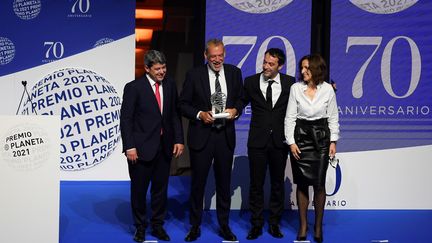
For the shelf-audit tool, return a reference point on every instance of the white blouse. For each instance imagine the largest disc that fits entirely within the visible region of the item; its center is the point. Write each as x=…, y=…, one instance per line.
x=300, y=106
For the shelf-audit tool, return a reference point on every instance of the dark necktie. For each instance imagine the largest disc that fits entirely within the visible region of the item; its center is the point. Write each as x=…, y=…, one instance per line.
x=269, y=94
x=218, y=123
x=218, y=88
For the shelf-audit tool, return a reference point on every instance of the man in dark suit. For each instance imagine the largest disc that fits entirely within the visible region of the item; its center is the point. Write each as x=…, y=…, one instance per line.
x=211, y=140
x=268, y=94
x=152, y=133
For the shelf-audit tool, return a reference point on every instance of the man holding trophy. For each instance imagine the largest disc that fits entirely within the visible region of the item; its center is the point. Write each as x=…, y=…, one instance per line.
x=210, y=99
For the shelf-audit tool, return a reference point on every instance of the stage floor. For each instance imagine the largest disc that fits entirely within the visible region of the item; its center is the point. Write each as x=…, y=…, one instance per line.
x=100, y=212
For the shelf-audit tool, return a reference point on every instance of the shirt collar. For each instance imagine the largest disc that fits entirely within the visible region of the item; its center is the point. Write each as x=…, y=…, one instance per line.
x=276, y=79
x=212, y=73
x=152, y=82
x=304, y=86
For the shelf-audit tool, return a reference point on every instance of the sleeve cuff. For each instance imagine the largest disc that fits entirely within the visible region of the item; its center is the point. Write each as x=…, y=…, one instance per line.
x=334, y=138
x=291, y=141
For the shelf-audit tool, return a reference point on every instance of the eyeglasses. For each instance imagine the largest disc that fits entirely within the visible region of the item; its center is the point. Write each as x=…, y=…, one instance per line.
x=333, y=161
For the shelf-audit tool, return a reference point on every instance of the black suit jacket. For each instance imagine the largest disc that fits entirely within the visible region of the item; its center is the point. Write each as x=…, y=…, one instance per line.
x=195, y=97
x=141, y=120
x=266, y=123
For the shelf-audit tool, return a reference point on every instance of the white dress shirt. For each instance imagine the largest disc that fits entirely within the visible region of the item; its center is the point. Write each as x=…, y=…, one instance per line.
x=276, y=87
x=212, y=79
x=153, y=85
x=300, y=106
x=222, y=81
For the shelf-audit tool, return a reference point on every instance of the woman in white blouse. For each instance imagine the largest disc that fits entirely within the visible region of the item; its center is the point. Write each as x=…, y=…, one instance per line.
x=311, y=131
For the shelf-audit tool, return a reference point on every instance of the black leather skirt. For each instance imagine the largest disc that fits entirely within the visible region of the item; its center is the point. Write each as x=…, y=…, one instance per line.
x=313, y=140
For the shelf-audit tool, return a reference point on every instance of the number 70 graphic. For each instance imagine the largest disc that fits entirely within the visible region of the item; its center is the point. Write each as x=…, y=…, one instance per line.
x=357, y=87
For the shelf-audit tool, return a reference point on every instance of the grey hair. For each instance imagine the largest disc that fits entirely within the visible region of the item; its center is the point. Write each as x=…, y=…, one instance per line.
x=153, y=57
x=213, y=42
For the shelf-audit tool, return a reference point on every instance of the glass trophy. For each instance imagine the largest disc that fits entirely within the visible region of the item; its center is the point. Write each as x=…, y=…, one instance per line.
x=218, y=101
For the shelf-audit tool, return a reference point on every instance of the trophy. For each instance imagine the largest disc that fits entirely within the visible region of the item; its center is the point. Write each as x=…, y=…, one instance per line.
x=218, y=101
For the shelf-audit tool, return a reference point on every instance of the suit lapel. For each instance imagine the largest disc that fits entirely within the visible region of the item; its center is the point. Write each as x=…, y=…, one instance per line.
x=166, y=91
x=283, y=89
x=149, y=90
x=256, y=86
x=228, y=81
x=205, y=82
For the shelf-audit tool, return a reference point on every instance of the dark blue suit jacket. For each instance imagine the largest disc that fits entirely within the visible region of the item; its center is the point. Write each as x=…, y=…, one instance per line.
x=141, y=120
x=195, y=97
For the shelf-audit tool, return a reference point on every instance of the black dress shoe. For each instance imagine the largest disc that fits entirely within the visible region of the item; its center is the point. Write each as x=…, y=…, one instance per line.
x=254, y=233
x=226, y=233
x=275, y=231
x=160, y=233
x=301, y=238
x=139, y=235
x=318, y=239
x=193, y=234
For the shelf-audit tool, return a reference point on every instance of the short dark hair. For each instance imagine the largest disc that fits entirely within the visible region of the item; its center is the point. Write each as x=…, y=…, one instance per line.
x=153, y=57
x=278, y=53
x=317, y=67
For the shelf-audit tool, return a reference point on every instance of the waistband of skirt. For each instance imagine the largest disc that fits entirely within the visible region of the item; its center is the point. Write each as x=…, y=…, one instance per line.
x=322, y=122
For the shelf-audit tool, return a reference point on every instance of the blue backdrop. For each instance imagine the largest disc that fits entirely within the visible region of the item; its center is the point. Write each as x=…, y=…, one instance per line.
x=42, y=31
x=380, y=57
x=249, y=28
